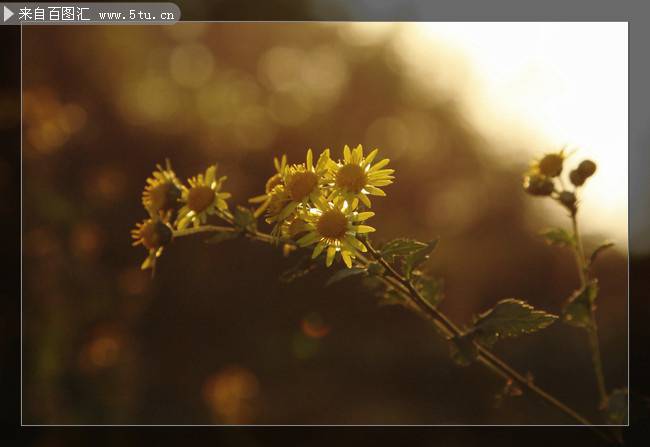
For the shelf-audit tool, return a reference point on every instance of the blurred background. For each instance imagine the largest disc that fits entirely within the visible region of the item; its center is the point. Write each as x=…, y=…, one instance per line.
x=215, y=338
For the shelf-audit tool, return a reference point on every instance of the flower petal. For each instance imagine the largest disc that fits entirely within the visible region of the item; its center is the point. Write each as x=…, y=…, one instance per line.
x=308, y=239
x=380, y=164
x=318, y=249
x=346, y=258
x=346, y=154
x=363, y=216
x=361, y=229
x=331, y=251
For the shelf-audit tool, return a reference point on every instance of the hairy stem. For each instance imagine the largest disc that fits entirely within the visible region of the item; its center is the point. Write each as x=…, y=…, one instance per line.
x=405, y=287
x=592, y=330
x=486, y=357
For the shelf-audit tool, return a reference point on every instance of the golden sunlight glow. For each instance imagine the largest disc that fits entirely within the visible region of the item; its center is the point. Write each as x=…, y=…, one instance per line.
x=536, y=87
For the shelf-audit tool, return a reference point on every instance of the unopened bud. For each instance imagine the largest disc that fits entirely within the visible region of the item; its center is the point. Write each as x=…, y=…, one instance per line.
x=587, y=168
x=576, y=177
x=538, y=185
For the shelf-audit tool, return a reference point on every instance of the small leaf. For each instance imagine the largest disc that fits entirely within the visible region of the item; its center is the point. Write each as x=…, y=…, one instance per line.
x=221, y=236
x=401, y=247
x=599, y=250
x=415, y=259
x=344, y=273
x=430, y=289
x=509, y=318
x=463, y=350
x=375, y=269
x=577, y=309
x=244, y=219
x=391, y=297
x=616, y=411
x=559, y=237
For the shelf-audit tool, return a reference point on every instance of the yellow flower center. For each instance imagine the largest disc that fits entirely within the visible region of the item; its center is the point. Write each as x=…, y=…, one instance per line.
x=352, y=178
x=300, y=184
x=272, y=182
x=332, y=224
x=164, y=196
x=200, y=198
x=155, y=234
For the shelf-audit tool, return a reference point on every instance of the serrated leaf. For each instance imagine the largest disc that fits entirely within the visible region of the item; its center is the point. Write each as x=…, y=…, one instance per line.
x=616, y=411
x=415, y=259
x=463, y=350
x=401, y=247
x=559, y=237
x=510, y=318
x=601, y=248
x=244, y=218
x=577, y=309
x=343, y=274
x=430, y=289
x=221, y=236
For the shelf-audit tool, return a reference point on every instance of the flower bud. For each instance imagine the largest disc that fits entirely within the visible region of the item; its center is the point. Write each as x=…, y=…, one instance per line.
x=587, y=168
x=551, y=165
x=577, y=178
x=537, y=185
x=155, y=234
x=568, y=199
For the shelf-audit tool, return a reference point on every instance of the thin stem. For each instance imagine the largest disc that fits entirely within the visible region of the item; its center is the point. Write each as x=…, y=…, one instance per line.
x=592, y=330
x=203, y=229
x=486, y=357
x=405, y=287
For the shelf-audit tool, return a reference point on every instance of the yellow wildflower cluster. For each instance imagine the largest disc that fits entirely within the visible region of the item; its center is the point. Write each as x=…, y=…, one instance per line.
x=174, y=206
x=543, y=179
x=319, y=202
x=323, y=203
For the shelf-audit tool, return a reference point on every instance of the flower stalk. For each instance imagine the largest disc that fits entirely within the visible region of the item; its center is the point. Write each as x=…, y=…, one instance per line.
x=323, y=205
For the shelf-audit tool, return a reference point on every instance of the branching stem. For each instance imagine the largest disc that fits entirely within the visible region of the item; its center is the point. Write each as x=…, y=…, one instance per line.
x=405, y=287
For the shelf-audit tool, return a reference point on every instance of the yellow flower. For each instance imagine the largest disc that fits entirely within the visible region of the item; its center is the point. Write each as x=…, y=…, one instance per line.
x=302, y=183
x=550, y=165
x=203, y=198
x=356, y=177
x=272, y=185
x=292, y=187
x=162, y=191
x=334, y=226
x=153, y=233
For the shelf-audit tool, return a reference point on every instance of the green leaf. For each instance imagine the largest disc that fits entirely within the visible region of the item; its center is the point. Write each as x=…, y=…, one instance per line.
x=559, y=237
x=599, y=250
x=509, y=318
x=375, y=269
x=222, y=236
x=577, y=309
x=401, y=247
x=344, y=273
x=463, y=350
x=415, y=259
x=429, y=288
x=244, y=219
x=616, y=411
